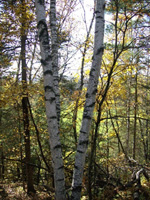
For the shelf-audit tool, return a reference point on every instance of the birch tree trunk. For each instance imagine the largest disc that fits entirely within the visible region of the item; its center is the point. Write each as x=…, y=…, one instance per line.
x=50, y=101
x=90, y=102
x=55, y=46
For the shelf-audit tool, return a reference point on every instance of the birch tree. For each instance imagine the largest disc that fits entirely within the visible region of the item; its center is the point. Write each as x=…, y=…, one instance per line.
x=50, y=101
x=90, y=101
x=55, y=45
x=50, y=96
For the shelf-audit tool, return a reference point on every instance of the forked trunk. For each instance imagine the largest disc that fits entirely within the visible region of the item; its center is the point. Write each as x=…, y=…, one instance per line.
x=50, y=101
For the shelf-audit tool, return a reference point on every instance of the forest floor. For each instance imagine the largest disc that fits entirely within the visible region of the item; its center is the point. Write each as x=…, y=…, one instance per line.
x=14, y=191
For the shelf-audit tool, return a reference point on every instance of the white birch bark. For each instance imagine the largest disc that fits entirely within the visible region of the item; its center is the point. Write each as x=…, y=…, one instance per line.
x=50, y=101
x=54, y=47
x=90, y=102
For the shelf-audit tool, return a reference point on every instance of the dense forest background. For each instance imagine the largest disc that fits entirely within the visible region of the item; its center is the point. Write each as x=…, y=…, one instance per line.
x=118, y=156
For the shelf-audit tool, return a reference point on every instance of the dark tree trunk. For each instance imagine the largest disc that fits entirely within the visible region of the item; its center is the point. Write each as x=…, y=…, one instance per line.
x=29, y=169
x=135, y=119
x=2, y=168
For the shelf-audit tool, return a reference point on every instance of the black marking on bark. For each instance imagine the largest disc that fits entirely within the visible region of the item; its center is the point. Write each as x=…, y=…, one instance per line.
x=76, y=167
x=92, y=104
x=47, y=99
x=87, y=95
x=84, y=142
x=61, y=167
x=46, y=43
x=104, y=6
x=99, y=17
x=41, y=2
x=57, y=146
x=87, y=116
x=53, y=46
x=54, y=65
x=43, y=62
x=94, y=91
x=52, y=99
x=80, y=151
x=77, y=188
x=61, y=179
x=83, y=132
x=42, y=22
x=49, y=57
x=43, y=31
x=47, y=87
x=96, y=12
x=53, y=117
x=101, y=49
x=48, y=72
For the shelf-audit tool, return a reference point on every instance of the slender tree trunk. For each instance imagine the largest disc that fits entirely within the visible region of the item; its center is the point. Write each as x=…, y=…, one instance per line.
x=38, y=136
x=18, y=69
x=31, y=66
x=38, y=173
x=108, y=144
x=90, y=167
x=2, y=167
x=29, y=173
x=75, y=112
x=128, y=114
x=135, y=118
x=50, y=101
x=54, y=54
x=1, y=113
x=143, y=138
x=90, y=102
x=147, y=114
x=21, y=145
x=118, y=137
x=147, y=134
